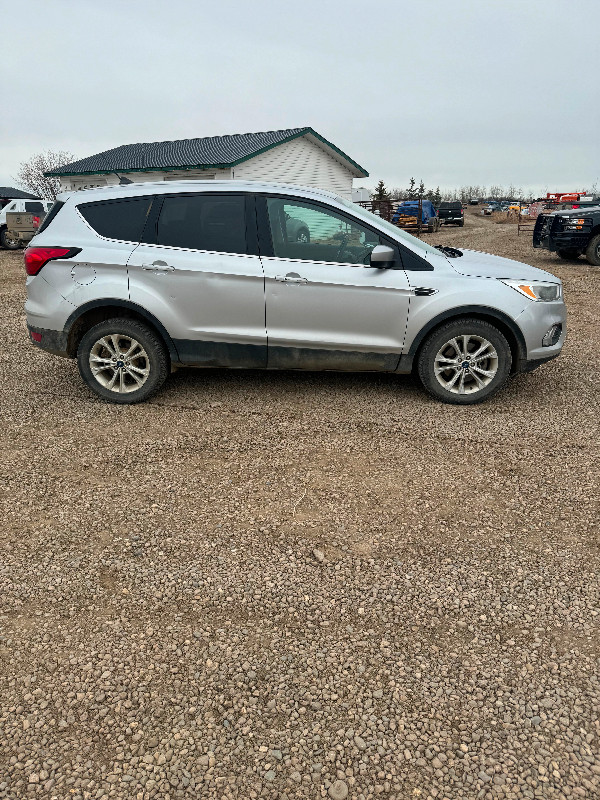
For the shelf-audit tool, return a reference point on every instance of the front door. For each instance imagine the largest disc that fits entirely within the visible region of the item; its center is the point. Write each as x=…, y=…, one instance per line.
x=325, y=308
x=198, y=272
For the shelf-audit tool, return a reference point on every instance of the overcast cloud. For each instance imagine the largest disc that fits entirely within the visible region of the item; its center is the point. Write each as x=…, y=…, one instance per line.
x=456, y=92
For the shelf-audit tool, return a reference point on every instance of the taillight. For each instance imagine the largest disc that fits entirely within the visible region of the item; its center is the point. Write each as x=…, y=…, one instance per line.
x=36, y=222
x=36, y=257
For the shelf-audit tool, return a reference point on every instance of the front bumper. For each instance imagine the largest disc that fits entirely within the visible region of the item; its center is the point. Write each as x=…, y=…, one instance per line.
x=535, y=322
x=529, y=366
x=553, y=233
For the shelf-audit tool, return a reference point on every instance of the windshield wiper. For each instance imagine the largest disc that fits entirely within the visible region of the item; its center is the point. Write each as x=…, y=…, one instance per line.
x=451, y=252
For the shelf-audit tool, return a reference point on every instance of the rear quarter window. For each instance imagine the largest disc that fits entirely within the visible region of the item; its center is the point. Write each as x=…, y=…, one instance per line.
x=118, y=219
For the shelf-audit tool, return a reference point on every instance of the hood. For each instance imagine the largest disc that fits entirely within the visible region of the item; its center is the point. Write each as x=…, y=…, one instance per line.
x=483, y=265
x=574, y=212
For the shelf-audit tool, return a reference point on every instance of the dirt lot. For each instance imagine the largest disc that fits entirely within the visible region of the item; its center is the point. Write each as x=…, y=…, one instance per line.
x=168, y=631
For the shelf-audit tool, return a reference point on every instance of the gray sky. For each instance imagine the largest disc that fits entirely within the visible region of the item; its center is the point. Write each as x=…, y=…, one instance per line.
x=456, y=92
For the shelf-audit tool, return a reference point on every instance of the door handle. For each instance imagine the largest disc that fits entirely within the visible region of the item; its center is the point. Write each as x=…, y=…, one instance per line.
x=290, y=279
x=158, y=266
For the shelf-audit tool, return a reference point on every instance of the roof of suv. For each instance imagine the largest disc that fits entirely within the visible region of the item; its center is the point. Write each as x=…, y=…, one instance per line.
x=170, y=187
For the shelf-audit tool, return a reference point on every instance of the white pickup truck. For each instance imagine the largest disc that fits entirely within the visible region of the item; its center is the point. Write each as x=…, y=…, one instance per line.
x=8, y=241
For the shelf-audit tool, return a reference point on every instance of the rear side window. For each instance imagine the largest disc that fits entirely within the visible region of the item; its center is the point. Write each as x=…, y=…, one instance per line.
x=34, y=207
x=118, y=219
x=50, y=216
x=203, y=222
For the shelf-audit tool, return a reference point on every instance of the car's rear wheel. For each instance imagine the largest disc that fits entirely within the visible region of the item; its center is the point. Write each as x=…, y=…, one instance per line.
x=464, y=362
x=592, y=251
x=7, y=241
x=122, y=360
x=568, y=254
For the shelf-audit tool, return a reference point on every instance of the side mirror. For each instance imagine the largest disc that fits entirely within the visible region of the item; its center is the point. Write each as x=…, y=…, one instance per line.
x=382, y=257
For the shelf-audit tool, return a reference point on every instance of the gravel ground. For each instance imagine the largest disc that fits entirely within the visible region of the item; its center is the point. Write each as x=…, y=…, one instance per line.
x=290, y=585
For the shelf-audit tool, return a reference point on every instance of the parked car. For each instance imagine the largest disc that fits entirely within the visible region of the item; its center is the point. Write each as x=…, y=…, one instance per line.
x=9, y=241
x=570, y=233
x=451, y=212
x=21, y=227
x=491, y=207
x=134, y=281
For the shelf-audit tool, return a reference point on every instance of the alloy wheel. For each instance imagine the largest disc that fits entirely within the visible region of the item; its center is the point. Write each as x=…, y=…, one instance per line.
x=119, y=363
x=466, y=364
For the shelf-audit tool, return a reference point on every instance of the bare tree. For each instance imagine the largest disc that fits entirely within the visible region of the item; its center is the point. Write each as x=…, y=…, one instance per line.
x=31, y=173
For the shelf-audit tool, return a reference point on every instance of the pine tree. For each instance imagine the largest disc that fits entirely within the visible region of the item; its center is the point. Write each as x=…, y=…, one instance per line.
x=411, y=192
x=380, y=193
x=421, y=191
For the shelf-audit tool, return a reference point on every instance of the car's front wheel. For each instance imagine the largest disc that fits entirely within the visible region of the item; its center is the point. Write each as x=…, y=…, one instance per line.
x=464, y=362
x=592, y=251
x=122, y=360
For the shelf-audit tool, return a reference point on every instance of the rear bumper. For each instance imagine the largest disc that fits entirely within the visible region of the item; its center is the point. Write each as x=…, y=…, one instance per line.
x=54, y=342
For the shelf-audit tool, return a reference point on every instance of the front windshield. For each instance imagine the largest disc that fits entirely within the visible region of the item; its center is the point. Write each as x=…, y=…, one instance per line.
x=398, y=233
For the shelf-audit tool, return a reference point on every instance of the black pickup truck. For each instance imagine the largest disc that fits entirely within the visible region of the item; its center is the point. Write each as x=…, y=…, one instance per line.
x=451, y=212
x=570, y=233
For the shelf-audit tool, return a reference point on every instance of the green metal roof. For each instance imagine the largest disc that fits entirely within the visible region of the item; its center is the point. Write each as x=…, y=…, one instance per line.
x=213, y=152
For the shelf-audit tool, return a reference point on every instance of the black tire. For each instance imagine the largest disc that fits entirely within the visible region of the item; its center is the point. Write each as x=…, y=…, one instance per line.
x=153, y=358
x=8, y=244
x=592, y=251
x=568, y=255
x=434, y=345
x=461, y=224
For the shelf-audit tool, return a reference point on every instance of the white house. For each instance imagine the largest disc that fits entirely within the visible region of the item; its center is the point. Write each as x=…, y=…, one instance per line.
x=296, y=155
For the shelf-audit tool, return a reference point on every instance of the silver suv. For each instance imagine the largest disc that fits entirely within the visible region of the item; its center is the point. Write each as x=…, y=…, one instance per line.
x=137, y=280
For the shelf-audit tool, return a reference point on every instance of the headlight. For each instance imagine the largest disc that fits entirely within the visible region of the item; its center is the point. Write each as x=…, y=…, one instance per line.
x=541, y=292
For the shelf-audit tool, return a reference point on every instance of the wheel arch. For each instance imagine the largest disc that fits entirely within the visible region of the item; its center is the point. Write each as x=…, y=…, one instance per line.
x=502, y=321
x=90, y=314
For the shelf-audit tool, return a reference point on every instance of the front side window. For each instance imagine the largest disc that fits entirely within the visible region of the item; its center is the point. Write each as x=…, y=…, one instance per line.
x=34, y=207
x=203, y=222
x=310, y=232
x=118, y=219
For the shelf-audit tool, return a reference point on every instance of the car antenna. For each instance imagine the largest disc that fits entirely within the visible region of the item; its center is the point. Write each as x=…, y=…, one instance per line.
x=122, y=180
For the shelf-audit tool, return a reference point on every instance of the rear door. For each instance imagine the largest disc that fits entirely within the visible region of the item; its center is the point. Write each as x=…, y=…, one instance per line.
x=198, y=272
